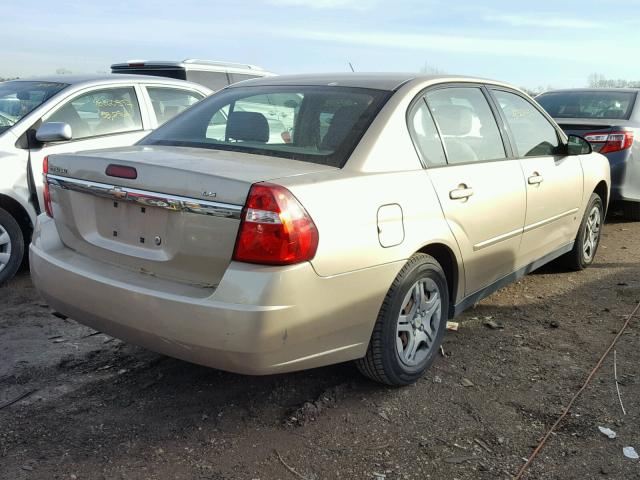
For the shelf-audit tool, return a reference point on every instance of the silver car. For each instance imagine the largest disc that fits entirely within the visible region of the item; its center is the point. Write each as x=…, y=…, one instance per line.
x=387, y=205
x=68, y=113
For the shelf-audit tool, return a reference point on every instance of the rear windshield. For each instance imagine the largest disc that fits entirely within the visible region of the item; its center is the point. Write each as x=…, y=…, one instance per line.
x=594, y=104
x=19, y=98
x=312, y=124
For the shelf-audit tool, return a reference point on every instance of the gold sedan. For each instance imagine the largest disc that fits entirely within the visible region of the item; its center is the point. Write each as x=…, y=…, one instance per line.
x=291, y=222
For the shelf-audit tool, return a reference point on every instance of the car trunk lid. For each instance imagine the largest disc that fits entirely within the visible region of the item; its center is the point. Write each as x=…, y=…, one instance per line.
x=177, y=219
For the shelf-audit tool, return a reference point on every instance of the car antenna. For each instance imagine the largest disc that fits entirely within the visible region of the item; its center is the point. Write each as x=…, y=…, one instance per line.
x=351, y=66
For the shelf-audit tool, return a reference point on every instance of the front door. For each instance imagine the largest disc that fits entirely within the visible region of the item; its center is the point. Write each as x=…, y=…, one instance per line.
x=553, y=179
x=481, y=191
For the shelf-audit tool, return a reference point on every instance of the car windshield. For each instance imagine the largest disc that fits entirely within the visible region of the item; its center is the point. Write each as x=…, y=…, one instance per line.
x=18, y=98
x=317, y=124
x=588, y=104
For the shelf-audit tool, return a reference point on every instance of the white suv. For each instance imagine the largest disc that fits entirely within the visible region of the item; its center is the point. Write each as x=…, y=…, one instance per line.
x=212, y=74
x=62, y=114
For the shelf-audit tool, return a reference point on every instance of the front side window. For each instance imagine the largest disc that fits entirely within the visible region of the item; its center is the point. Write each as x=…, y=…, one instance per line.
x=19, y=98
x=467, y=125
x=534, y=135
x=315, y=124
x=425, y=135
x=100, y=112
x=169, y=102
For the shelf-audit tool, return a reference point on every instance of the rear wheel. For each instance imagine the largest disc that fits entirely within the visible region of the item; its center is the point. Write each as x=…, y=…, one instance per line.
x=11, y=246
x=631, y=210
x=588, y=238
x=410, y=326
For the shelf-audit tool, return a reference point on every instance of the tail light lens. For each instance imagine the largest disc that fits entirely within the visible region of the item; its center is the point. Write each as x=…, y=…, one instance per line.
x=45, y=191
x=275, y=229
x=612, y=141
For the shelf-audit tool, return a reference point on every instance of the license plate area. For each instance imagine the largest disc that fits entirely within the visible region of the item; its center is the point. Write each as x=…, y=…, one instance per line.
x=132, y=224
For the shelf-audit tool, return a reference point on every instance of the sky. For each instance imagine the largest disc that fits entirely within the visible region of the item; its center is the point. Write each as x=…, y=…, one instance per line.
x=530, y=44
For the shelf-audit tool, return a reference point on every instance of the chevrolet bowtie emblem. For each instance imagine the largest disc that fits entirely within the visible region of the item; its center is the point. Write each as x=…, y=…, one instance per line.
x=118, y=193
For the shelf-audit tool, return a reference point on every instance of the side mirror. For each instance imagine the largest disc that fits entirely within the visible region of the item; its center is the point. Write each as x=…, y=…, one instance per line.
x=54, y=132
x=578, y=146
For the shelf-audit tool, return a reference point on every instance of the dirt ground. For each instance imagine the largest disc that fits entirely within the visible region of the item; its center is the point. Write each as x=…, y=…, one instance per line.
x=102, y=409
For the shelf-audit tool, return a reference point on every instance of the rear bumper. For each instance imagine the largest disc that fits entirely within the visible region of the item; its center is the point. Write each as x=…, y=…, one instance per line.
x=259, y=320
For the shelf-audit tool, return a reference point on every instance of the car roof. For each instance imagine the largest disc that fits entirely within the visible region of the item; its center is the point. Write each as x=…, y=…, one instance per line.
x=378, y=81
x=107, y=78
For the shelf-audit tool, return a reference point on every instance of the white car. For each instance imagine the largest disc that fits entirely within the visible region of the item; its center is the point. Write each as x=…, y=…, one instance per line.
x=63, y=114
x=213, y=74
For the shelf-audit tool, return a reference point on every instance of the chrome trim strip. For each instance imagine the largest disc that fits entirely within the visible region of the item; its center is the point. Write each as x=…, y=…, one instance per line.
x=499, y=238
x=541, y=223
x=528, y=228
x=143, y=197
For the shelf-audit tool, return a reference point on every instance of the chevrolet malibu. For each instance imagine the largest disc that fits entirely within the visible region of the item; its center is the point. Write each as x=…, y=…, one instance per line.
x=382, y=206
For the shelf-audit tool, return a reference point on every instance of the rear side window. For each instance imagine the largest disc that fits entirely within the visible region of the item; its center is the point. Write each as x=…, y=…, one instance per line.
x=467, y=125
x=425, y=135
x=533, y=133
x=588, y=104
x=315, y=124
x=213, y=80
x=100, y=112
x=169, y=102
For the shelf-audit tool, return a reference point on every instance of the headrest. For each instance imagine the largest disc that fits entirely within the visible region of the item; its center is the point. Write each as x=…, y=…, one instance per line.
x=248, y=127
x=454, y=120
x=341, y=124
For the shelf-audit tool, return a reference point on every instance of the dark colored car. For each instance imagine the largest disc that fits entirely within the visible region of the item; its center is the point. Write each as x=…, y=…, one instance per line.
x=609, y=118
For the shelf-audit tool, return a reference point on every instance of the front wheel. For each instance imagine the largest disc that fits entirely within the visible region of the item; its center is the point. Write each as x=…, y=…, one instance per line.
x=11, y=246
x=588, y=238
x=410, y=325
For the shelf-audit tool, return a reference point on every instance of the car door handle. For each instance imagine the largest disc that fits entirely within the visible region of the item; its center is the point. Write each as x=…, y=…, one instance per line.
x=535, y=179
x=461, y=193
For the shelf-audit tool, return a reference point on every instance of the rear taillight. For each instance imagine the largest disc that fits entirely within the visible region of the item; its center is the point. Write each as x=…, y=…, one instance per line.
x=45, y=191
x=275, y=229
x=612, y=141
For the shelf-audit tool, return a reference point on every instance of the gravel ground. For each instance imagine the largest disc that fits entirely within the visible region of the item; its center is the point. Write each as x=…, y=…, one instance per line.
x=101, y=409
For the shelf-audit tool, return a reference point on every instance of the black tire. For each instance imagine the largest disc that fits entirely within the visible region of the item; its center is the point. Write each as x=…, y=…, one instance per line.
x=631, y=211
x=15, y=247
x=383, y=362
x=577, y=258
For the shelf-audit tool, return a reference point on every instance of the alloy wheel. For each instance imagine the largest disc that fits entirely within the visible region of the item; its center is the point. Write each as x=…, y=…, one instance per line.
x=5, y=248
x=418, y=322
x=591, y=233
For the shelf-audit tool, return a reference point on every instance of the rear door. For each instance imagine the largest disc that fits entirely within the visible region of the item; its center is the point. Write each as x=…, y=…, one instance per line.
x=480, y=189
x=553, y=179
x=100, y=117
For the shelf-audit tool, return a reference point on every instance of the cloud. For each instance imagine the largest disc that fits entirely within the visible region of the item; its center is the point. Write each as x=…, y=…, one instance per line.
x=418, y=41
x=467, y=45
x=542, y=22
x=327, y=4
